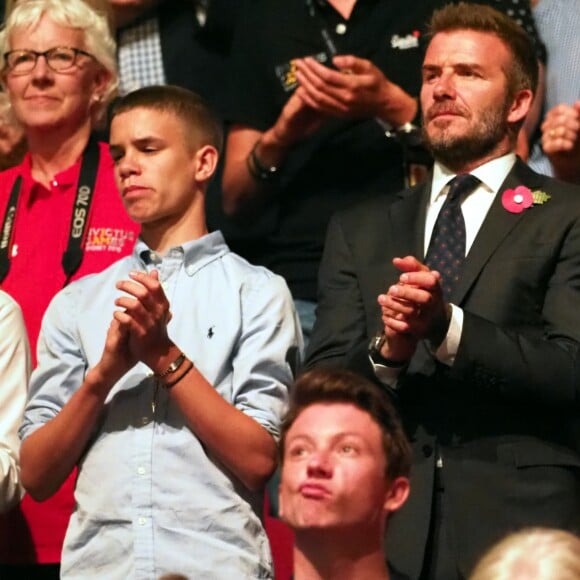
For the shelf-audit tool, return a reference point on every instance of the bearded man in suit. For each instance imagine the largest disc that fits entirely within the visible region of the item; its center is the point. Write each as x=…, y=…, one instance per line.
x=478, y=312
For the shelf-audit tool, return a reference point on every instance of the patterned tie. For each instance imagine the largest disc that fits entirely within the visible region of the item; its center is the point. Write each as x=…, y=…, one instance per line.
x=447, y=247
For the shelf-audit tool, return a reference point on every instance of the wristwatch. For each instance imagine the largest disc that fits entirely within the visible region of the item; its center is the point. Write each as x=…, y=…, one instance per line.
x=375, y=345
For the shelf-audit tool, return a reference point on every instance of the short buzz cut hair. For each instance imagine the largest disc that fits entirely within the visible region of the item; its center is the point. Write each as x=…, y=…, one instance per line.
x=524, y=70
x=335, y=385
x=201, y=125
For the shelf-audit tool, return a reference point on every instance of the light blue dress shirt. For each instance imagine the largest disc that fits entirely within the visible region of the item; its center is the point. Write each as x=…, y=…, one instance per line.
x=149, y=498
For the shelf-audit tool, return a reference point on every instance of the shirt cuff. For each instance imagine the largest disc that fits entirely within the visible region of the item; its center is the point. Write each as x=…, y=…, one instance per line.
x=447, y=350
x=389, y=376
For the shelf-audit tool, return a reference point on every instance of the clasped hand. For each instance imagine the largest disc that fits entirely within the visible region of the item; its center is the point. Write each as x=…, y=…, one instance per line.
x=138, y=331
x=561, y=140
x=413, y=309
x=356, y=88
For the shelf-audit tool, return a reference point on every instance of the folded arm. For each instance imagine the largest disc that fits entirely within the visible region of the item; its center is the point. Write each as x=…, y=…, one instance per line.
x=50, y=452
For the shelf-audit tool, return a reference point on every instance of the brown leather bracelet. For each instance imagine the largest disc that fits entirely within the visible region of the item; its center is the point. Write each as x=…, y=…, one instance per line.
x=176, y=380
x=174, y=366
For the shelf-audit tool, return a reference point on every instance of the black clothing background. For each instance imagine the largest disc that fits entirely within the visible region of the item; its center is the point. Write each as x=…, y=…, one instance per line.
x=345, y=161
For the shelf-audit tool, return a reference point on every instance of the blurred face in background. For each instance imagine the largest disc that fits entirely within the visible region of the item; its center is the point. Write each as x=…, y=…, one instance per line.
x=43, y=99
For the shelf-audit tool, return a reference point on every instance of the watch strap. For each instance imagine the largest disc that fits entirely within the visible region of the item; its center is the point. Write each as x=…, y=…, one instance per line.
x=375, y=346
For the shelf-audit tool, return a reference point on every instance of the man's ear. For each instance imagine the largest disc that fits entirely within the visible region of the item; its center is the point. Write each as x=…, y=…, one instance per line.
x=397, y=494
x=206, y=160
x=520, y=106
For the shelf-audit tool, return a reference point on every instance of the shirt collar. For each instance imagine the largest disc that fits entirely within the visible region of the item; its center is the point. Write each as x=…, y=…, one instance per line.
x=491, y=174
x=65, y=178
x=196, y=253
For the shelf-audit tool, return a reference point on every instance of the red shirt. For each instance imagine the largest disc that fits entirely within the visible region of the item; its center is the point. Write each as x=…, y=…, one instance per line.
x=34, y=532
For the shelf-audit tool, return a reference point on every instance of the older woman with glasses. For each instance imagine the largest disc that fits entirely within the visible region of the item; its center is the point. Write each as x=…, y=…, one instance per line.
x=61, y=216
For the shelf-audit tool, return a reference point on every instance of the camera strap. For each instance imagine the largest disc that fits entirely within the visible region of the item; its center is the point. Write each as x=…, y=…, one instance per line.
x=73, y=255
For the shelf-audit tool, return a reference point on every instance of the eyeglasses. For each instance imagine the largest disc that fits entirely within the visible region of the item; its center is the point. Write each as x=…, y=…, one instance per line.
x=59, y=59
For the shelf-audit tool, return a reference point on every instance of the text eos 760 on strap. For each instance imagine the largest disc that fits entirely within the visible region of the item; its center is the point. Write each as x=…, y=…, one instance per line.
x=73, y=255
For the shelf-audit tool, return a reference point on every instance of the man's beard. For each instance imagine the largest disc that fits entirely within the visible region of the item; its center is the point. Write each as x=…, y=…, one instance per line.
x=455, y=151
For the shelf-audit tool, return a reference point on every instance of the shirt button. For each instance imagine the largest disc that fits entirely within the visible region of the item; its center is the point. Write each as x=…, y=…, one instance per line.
x=144, y=420
x=340, y=28
x=54, y=183
x=141, y=471
x=142, y=521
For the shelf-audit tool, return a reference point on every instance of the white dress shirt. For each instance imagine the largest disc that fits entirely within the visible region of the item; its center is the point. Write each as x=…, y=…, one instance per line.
x=14, y=372
x=474, y=208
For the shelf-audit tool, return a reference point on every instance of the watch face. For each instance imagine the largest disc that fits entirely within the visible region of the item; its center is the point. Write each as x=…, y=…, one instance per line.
x=376, y=344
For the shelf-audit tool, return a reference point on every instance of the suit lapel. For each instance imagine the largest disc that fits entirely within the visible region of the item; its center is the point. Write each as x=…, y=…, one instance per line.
x=407, y=221
x=495, y=227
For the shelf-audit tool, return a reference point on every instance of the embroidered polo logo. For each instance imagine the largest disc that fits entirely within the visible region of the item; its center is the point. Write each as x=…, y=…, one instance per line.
x=286, y=72
x=108, y=239
x=411, y=40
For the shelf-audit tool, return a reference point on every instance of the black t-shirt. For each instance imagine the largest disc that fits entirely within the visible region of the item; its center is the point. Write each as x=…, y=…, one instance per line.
x=394, y=574
x=345, y=161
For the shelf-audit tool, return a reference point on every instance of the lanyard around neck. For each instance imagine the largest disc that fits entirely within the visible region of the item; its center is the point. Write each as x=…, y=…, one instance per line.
x=329, y=43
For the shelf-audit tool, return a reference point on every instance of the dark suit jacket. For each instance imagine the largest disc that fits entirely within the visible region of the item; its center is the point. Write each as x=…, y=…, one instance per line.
x=504, y=417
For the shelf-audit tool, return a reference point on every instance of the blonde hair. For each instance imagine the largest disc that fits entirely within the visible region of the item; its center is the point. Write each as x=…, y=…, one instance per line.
x=532, y=554
x=78, y=14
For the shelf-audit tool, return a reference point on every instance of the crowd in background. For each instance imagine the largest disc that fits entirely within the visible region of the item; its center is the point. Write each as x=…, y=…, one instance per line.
x=320, y=108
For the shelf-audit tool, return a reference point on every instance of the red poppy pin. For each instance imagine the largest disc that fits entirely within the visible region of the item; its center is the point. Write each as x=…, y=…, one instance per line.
x=521, y=198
